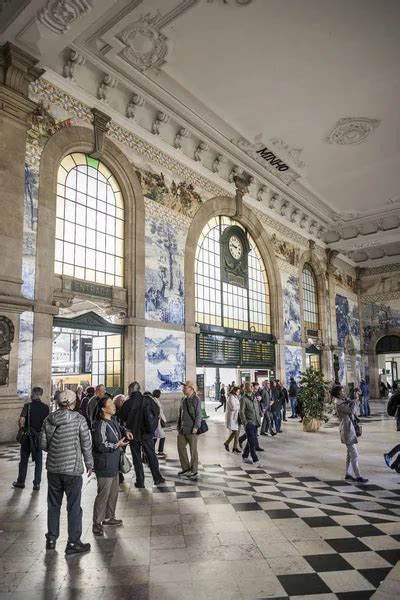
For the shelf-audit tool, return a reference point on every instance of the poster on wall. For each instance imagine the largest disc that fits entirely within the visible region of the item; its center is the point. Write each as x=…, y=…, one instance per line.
x=164, y=359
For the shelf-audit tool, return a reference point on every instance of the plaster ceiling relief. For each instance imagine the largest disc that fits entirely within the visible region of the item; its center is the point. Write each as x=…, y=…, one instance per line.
x=145, y=45
x=58, y=15
x=352, y=130
x=9, y=10
x=293, y=154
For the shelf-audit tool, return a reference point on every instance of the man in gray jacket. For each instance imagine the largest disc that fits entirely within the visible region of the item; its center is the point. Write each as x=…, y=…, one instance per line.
x=65, y=437
x=189, y=421
x=250, y=416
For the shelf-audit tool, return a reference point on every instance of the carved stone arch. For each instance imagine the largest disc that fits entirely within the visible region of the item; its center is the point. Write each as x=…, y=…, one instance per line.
x=373, y=365
x=80, y=139
x=378, y=336
x=226, y=206
x=309, y=257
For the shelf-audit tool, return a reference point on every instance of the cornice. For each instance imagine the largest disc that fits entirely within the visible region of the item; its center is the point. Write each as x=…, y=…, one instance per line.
x=377, y=298
x=367, y=271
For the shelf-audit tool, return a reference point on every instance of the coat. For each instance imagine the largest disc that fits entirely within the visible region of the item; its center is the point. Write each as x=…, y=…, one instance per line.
x=66, y=439
x=250, y=412
x=232, y=412
x=345, y=411
x=133, y=416
x=189, y=414
x=106, y=434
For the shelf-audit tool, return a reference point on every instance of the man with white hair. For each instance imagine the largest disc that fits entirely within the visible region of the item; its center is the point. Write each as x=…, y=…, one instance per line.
x=66, y=439
x=99, y=392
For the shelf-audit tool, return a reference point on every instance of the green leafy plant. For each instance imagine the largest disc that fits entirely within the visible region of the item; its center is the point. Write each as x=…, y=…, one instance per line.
x=312, y=395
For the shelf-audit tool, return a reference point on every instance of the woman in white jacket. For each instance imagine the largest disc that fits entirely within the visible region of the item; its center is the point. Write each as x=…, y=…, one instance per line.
x=232, y=419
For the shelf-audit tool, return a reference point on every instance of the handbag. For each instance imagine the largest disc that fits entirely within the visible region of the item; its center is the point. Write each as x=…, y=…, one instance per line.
x=357, y=426
x=203, y=424
x=23, y=433
x=125, y=464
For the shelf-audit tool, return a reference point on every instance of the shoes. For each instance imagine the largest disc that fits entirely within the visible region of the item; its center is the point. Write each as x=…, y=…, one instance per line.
x=112, y=521
x=161, y=454
x=226, y=446
x=388, y=460
x=349, y=478
x=50, y=544
x=286, y=419
x=139, y=487
x=280, y=431
x=263, y=433
x=159, y=481
x=193, y=476
x=16, y=484
x=77, y=548
x=361, y=480
x=260, y=449
x=183, y=472
x=273, y=433
x=248, y=461
x=236, y=450
x=258, y=464
x=97, y=529
x=36, y=487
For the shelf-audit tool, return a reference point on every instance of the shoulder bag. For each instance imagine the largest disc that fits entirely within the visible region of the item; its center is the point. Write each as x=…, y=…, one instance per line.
x=125, y=464
x=203, y=424
x=23, y=432
x=357, y=426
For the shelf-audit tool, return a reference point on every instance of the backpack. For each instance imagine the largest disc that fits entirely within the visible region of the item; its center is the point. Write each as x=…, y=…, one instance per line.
x=393, y=403
x=151, y=414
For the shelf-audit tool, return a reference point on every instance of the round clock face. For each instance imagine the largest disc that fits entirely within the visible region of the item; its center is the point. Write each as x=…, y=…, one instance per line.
x=235, y=247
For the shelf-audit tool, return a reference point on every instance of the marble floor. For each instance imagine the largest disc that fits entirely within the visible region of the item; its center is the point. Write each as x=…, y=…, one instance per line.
x=291, y=529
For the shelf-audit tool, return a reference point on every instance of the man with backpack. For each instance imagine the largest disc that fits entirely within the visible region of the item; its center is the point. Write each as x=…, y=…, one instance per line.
x=140, y=414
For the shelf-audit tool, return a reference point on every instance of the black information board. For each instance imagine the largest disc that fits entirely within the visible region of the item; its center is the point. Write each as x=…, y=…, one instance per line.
x=218, y=350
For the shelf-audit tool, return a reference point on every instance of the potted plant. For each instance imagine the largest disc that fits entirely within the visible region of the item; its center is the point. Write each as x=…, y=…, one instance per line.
x=313, y=388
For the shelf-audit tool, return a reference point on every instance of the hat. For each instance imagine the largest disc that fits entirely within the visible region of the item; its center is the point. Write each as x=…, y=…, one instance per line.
x=188, y=383
x=65, y=398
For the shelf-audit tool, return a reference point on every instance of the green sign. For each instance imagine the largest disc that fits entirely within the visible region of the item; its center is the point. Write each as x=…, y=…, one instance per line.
x=91, y=289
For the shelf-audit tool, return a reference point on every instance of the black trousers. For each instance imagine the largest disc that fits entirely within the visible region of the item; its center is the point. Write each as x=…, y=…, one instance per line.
x=148, y=449
x=26, y=451
x=71, y=485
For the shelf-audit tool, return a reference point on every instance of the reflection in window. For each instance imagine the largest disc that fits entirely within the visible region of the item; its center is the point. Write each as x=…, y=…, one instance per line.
x=90, y=222
x=224, y=304
x=310, y=299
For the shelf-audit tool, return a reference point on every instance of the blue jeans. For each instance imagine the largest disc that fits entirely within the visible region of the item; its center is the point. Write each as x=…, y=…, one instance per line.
x=364, y=408
x=251, y=431
x=276, y=415
x=293, y=405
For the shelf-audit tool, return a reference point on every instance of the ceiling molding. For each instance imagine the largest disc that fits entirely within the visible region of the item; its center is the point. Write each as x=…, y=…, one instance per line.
x=378, y=270
x=352, y=130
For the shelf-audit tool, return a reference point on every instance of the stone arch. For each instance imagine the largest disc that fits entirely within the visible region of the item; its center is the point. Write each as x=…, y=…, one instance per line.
x=373, y=366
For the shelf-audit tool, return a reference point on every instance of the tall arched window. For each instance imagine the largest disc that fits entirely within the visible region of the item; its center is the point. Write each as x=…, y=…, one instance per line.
x=90, y=222
x=226, y=304
x=310, y=299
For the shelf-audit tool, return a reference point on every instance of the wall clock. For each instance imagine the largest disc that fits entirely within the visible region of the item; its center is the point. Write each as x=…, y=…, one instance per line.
x=234, y=256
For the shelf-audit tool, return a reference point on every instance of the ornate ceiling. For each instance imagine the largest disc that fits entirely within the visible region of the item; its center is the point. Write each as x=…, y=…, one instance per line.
x=302, y=95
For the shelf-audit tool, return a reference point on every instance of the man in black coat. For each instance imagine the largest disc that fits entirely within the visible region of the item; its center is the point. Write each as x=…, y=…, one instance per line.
x=137, y=413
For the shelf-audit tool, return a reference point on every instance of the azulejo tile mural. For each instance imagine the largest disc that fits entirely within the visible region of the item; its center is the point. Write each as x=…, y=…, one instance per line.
x=291, y=307
x=379, y=317
x=293, y=362
x=164, y=359
x=347, y=321
x=164, y=267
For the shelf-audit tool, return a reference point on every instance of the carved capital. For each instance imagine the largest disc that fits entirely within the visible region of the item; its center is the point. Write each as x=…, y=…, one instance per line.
x=101, y=124
x=17, y=68
x=242, y=187
x=311, y=245
x=219, y=159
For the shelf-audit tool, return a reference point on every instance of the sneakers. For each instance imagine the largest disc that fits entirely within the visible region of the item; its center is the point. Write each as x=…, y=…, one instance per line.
x=161, y=454
x=388, y=460
x=361, y=480
x=77, y=548
x=159, y=481
x=248, y=461
x=36, y=487
x=50, y=544
x=183, y=472
x=349, y=478
x=193, y=476
x=258, y=464
x=16, y=484
x=273, y=433
x=97, y=529
x=226, y=446
x=112, y=521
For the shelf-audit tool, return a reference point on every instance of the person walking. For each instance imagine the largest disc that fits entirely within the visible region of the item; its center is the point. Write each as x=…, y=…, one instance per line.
x=31, y=420
x=222, y=398
x=66, y=439
x=89, y=393
x=293, y=391
x=189, y=421
x=108, y=443
x=364, y=389
x=285, y=400
x=276, y=405
x=346, y=411
x=140, y=415
x=159, y=433
x=232, y=419
x=250, y=416
x=267, y=422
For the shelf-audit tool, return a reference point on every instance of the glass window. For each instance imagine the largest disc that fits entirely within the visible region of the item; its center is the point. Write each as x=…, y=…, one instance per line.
x=90, y=221
x=228, y=305
x=310, y=299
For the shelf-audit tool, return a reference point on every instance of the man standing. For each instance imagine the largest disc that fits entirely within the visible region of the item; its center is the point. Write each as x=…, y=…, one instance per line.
x=31, y=419
x=189, y=421
x=266, y=427
x=99, y=392
x=65, y=437
x=250, y=417
x=364, y=389
x=293, y=391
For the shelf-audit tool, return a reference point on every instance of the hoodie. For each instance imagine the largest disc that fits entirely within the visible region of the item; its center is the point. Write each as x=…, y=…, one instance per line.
x=66, y=439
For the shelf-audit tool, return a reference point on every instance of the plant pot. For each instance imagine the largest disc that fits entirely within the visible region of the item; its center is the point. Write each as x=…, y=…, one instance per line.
x=311, y=424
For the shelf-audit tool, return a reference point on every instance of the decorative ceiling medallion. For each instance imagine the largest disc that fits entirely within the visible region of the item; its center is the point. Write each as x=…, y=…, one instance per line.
x=352, y=130
x=146, y=47
x=58, y=15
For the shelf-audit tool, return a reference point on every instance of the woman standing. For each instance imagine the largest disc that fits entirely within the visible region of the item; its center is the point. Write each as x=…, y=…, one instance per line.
x=346, y=411
x=159, y=432
x=108, y=440
x=232, y=419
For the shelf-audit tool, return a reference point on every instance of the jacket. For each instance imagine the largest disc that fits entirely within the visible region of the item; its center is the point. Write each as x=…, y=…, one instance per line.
x=345, y=410
x=189, y=414
x=133, y=417
x=232, y=412
x=106, y=434
x=66, y=439
x=293, y=389
x=250, y=413
x=364, y=389
x=91, y=409
x=266, y=399
x=277, y=399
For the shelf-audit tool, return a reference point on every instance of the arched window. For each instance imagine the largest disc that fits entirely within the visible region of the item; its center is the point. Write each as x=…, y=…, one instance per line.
x=90, y=222
x=310, y=299
x=226, y=304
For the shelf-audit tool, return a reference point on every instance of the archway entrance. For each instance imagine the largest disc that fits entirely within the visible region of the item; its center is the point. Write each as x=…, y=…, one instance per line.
x=388, y=351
